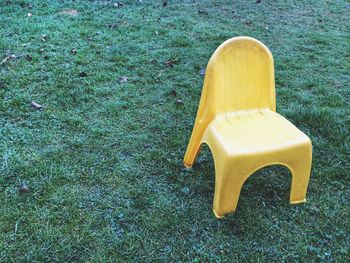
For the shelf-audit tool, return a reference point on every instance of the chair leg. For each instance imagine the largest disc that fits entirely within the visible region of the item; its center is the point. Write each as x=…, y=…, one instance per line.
x=191, y=155
x=228, y=183
x=300, y=178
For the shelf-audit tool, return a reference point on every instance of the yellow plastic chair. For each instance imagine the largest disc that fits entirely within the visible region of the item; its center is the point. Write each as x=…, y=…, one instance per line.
x=237, y=119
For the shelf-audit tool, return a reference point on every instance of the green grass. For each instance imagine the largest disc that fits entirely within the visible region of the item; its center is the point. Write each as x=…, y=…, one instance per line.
x=103, y=159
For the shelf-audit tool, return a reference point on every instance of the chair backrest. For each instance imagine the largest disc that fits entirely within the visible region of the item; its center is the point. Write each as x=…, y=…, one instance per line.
x=239, y=77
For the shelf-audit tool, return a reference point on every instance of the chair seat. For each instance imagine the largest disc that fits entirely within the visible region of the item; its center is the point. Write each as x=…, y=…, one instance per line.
x=255, y=131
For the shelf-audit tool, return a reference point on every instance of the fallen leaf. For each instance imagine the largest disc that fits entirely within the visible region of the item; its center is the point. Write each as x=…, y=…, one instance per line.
x=169, y=63
x=123, y=79
x=118, y=5
x=112, y=26
x=29, y=57
x=2, y=84
x=83, y=74
x=313, y=208
x=202, y=12
x=23, y=189
x=179, y=101
x=173, y=92
x=185, y=190
x=29, y=14
x=73, y=51
x=4, y=60
x=24, y=5
x=12, y=56
x=43, y=38
x=202, y=72
x=70, y=12
x=36, y=105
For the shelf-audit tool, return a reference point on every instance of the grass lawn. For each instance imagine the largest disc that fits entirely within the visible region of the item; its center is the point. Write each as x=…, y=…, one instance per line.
x=102, y=160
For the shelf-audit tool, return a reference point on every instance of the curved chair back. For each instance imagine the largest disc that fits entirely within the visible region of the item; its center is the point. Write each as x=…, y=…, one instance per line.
x=239, y=77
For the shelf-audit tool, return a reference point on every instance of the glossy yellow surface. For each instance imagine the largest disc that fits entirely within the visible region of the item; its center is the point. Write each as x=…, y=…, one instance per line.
x=237, y=120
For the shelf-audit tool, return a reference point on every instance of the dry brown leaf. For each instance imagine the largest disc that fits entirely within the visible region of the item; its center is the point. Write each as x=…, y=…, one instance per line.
x=12, y=56
x=24, y=189
x=179, y=101
x=5, y=59
x=118, y=5
x=203, y=12
x=36, y=105
x=313, y=208
x=112, y=26
x=83, y=74
x=123, y=79
x=173, y=92
x=29, y=57
x=43, y=38
x=169, y=63
x=70, y=12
